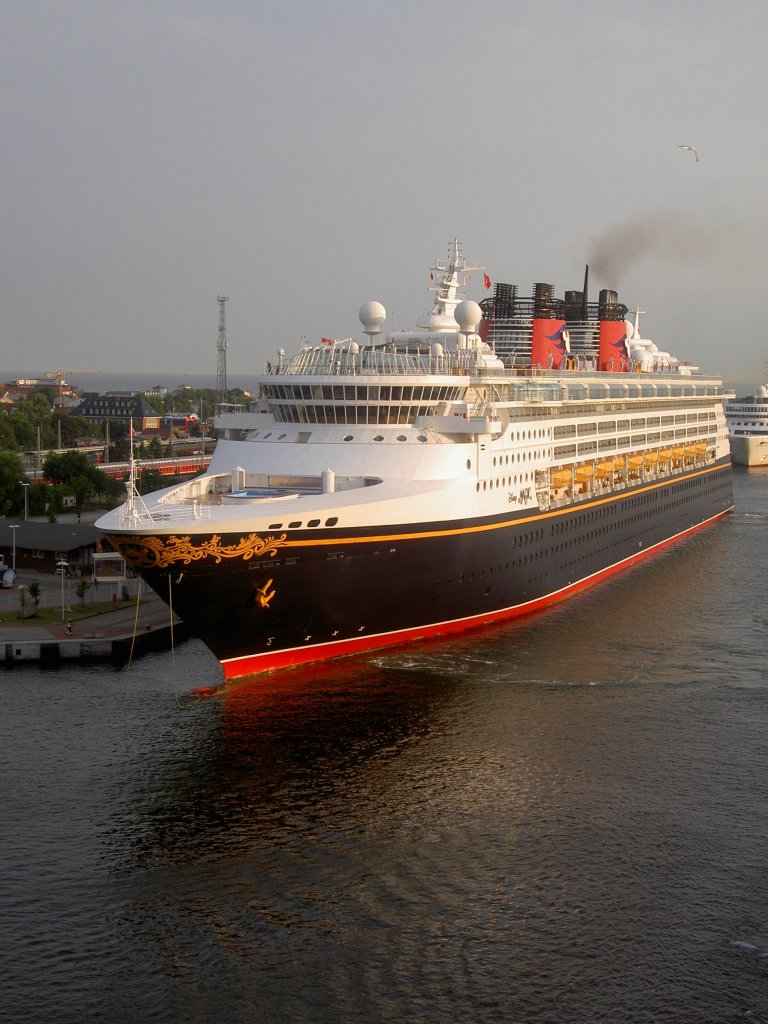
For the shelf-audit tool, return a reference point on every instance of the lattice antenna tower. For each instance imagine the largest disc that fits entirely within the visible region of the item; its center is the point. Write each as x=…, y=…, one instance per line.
x=221, y=364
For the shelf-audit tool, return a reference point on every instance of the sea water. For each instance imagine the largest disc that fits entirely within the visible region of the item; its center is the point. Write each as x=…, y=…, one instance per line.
x=563, y=819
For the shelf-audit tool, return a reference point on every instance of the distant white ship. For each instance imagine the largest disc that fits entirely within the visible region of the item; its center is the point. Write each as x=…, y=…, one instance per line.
x=748, y=427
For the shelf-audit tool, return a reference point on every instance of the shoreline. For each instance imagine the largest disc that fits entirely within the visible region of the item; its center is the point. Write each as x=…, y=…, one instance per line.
x=113, y=636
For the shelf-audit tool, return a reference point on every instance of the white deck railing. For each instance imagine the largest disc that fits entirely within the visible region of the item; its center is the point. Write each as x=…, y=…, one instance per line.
x=128, y=517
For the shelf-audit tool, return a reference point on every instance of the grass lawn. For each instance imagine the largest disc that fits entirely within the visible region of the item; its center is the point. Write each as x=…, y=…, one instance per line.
x=45, y=616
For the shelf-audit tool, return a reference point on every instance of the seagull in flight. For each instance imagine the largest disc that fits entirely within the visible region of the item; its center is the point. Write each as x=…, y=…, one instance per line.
x=693, y=150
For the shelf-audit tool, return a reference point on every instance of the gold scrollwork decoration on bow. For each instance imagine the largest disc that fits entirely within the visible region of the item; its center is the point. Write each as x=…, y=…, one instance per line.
x=161, y=552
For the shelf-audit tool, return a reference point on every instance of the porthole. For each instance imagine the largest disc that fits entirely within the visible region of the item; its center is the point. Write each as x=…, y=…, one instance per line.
x=422, y=438
x=313, y=522
x=401, y=437
x=332, y=521
x=295, y=525
x=469, y=464
x=348, y=437
x=379, y=437
x=275, y=526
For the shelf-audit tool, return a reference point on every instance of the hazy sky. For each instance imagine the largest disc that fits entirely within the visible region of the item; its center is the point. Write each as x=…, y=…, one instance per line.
x=305, y=157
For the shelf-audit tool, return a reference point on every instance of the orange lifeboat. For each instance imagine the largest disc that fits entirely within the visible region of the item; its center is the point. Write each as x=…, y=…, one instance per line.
x=560, y=478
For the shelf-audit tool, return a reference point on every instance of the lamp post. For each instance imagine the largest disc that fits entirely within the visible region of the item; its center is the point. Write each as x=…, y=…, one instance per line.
x=26, y=500
x=62, y=566
x=14, y=528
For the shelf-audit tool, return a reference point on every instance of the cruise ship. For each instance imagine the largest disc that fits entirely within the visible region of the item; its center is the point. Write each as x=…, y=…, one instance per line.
x=494, y=460
x=747, y=420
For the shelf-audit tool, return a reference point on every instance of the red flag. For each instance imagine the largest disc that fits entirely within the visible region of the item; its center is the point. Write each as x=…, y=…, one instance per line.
x=327, y=341
x=486, y=281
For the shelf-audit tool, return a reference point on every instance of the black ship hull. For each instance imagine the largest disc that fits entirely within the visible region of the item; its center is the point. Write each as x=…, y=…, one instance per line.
x=269, y=602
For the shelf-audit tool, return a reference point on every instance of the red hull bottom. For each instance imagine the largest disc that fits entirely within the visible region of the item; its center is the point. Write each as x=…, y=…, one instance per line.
x=273, y=661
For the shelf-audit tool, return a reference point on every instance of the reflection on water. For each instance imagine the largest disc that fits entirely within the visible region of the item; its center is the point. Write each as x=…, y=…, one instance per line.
x=282, y=747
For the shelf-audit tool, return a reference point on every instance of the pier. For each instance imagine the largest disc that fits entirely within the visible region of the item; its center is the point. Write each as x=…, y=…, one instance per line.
x=112, y=636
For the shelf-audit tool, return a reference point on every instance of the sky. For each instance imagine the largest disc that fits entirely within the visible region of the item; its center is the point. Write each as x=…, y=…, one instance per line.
x=307, y=156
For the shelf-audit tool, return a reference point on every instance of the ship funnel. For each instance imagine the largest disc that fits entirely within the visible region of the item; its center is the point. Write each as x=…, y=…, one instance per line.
x=613, y=349
x=542, y=299
x=548, y=341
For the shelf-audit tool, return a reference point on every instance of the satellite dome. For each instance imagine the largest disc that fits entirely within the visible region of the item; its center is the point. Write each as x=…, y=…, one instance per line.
x=372, y=316
x=468, y=315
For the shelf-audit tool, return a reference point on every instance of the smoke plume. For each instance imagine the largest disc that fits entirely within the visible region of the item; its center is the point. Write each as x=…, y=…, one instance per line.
x=664, y=237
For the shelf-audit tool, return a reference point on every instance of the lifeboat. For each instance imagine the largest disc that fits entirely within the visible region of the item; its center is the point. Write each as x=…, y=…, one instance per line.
x=665, y=455
x=560, y=478
x=651, y=458
x=604, y=468
x=635, y=461
x=584, y=472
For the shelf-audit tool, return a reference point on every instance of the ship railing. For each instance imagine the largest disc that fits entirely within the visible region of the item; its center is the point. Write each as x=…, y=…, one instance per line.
x=128, y=517
x=379, y=361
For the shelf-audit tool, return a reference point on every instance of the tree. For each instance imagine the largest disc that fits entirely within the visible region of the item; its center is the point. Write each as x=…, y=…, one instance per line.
x=61, y=469
x=71, y=427
x=41, y=500
x=25, y=419
x=120, y=450
x=8, y=440
x=81, y=589
x=11, y=475
x=76, y=471
x=24, y=429
x=150, y=480
x=34, y=593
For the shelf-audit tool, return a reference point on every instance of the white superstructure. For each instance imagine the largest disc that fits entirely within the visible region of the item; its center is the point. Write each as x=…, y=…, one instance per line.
x=748, y=428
